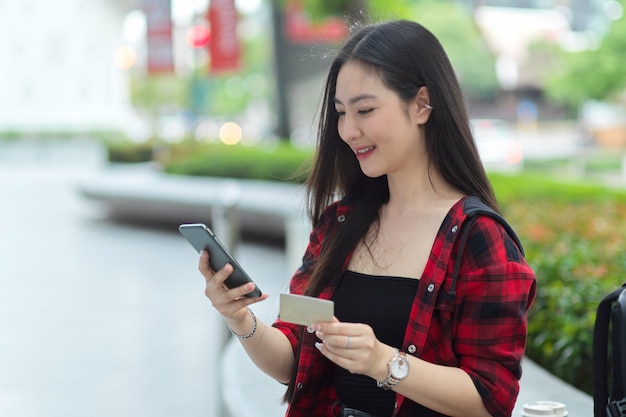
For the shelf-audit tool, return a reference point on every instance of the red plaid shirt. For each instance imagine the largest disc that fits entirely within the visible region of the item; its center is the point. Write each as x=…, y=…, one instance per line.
x=478, y=326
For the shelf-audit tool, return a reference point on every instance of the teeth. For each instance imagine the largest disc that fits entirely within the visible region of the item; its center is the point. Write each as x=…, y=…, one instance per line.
x=365, y=150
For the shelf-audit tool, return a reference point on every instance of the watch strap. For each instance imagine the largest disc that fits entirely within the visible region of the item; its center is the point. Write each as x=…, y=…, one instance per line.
x=388, y=383
x=391, y=382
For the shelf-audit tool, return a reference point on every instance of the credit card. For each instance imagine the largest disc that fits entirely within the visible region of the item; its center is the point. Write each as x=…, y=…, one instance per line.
x=305, y=310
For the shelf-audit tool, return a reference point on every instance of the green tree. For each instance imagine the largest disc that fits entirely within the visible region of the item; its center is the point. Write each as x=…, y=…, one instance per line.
x=229, y=94
x=596, y=74
x=152, y=92
x=450, y=21
x=457, y=31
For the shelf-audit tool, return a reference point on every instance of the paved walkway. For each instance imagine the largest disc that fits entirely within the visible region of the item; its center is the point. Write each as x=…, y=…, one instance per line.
x=97, y=318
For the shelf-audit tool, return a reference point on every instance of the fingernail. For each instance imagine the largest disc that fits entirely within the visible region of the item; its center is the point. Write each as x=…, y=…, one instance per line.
x=319, y=346
x=249, y=286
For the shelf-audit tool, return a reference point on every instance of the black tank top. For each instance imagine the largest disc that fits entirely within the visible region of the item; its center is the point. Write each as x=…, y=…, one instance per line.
x=384, y=303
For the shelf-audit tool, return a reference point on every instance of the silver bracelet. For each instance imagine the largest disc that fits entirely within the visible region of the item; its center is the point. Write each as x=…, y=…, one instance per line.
x=252, y=332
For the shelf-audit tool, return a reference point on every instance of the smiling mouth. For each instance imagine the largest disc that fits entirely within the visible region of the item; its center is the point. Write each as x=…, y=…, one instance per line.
x=365, y=150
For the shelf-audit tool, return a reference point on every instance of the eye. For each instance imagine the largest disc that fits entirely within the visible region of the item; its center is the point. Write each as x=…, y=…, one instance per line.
x=340, y=113
x=365, y=111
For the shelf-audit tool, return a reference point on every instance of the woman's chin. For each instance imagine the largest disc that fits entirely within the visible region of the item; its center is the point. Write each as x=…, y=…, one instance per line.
x=372, y=173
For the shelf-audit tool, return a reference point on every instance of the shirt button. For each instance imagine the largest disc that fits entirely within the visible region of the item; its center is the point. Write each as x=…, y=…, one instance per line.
x=300, y=385
x=455, y=228
x=411, y=349
x=341, y=218
x=431, y=288
x=310, y=328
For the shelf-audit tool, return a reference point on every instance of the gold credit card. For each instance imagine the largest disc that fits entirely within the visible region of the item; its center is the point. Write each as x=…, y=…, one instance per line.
x=304, y=310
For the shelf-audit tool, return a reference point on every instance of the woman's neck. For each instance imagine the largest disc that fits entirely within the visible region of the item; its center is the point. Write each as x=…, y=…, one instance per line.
x=416, y=192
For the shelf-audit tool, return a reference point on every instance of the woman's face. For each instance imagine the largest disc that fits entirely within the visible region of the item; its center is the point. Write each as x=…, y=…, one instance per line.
x=383, y=131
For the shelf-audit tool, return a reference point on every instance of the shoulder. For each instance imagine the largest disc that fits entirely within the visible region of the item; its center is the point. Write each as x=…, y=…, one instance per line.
x=491, y=255
x=484, y=227
x=488, y=236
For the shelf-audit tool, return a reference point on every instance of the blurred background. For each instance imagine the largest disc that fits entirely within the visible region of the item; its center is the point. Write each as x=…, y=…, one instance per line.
x=158, y=69
x=144, y=69
x=120, y=119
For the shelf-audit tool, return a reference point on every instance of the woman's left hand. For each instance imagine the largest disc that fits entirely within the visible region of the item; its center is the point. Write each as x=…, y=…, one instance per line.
x=354, y=347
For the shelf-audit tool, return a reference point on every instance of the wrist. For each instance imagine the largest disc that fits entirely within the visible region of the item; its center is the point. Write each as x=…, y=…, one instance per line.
x=252, y=327
x=397, y=369
x=382, y=363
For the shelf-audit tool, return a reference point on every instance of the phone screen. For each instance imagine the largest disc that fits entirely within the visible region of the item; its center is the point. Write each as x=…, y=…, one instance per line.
x=201, y=237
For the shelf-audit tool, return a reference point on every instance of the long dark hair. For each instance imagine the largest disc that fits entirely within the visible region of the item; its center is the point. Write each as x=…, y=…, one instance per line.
x=407, y=57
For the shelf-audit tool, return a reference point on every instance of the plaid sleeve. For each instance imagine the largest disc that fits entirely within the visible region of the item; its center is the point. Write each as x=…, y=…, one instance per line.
x=495, y=290
x=300, y=279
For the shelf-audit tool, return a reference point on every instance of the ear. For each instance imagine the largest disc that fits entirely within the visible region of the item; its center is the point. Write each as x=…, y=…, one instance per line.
x=422, y=105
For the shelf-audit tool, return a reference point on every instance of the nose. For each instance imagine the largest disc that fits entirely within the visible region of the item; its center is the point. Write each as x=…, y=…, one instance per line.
x=348, y=128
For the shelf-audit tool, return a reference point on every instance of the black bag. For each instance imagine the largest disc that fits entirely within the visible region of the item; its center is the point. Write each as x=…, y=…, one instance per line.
x=611, y=313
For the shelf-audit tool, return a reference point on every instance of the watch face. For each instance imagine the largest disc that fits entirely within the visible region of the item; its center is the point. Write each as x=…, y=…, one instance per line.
x=399, y=367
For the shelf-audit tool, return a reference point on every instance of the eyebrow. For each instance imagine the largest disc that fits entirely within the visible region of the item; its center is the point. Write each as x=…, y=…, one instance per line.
x=356, y=99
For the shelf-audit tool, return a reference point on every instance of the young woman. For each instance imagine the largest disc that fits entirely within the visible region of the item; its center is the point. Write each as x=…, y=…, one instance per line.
x=430, y=285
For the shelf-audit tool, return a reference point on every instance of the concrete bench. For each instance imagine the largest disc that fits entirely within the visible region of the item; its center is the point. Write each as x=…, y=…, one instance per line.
x=142, y=193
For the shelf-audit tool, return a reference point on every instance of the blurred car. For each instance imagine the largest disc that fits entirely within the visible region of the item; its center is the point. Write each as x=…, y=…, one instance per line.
x=498, y=145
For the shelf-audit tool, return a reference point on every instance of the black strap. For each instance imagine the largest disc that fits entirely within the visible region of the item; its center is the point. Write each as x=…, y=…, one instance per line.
x=618, y=321
x=600, y=364
x=616, y=409
x=338, y=409
x=474, y=207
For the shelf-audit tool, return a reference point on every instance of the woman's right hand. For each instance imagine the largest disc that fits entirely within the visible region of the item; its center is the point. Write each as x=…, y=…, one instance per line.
x=267, y=346
x=230, y=303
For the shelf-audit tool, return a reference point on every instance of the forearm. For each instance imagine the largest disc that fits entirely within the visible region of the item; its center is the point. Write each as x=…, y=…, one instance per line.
x=268, y=348
x=447, y=390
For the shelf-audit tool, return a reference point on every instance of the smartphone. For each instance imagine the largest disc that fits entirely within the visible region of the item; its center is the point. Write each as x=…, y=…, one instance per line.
x=201, y=237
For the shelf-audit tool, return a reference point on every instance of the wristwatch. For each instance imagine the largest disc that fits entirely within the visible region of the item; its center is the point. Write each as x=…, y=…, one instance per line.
x=398, y=370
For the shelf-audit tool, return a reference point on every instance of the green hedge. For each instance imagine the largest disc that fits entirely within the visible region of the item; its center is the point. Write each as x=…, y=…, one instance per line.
x=574, y=235
x=126, y=152
x=277, y=162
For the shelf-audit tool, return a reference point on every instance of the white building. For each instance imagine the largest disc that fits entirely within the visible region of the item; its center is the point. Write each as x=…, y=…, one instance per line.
x=57, y=67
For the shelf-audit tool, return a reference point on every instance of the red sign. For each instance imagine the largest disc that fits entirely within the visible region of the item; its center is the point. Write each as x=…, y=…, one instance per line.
x=300, y=29
x=224, y=47
x=159, y=28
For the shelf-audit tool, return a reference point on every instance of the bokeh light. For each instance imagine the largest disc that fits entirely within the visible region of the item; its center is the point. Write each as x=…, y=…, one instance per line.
x=230, y=133
x=125, y=57
x=198, y=36
x=613, y=10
